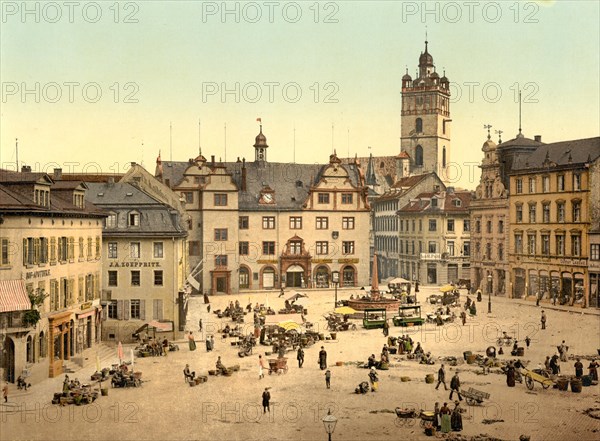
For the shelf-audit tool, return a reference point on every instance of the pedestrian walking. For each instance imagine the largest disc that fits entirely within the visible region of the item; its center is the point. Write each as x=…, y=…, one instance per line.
x=543, y=319
x=200, y=325
x=328, y=379
x=527, y=341
x=442, y=377
x=463, y=317
x=455, y=386
x=5, y=392
x=281, y=293
x=562, y=350
x=300, y=356
x=191, y=342
x=212, y=342
x=322, y=359
x=386, y=328
x=261, y=366
x=266, y=398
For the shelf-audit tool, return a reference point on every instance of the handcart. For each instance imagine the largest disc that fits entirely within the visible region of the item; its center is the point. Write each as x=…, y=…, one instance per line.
x=278, y=365
x=474, y=396
x=532, y=377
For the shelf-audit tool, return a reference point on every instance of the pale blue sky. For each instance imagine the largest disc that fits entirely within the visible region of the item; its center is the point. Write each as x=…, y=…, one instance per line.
x=173, y=50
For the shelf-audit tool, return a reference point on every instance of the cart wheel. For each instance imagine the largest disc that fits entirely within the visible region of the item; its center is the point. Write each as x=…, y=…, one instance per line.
x=471, y=401
x=545, y=385
x=529, y=382
x=353, y=327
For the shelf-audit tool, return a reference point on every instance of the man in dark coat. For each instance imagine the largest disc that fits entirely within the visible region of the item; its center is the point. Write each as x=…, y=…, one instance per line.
x=266, y=397
x=300, y=356
x=510, y=375
x=578, y=368
x=442, y=377
x=455, y=386
x=322, y=359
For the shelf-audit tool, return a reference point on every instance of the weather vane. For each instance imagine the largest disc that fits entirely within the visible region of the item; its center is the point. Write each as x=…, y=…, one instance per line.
x=488, y=127
x=499, y=132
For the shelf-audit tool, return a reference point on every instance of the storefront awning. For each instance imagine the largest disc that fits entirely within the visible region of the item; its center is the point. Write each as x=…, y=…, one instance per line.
x=13, y=296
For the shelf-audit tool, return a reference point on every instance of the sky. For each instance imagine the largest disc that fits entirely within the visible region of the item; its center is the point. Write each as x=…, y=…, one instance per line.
x=92, y=86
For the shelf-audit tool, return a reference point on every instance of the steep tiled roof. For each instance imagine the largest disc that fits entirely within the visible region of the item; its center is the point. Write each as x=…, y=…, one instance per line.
x=577, y=151
x=422, y=203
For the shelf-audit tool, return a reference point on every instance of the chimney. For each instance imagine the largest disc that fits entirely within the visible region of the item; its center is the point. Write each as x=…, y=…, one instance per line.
x=57, y=174
x=133, y=164
x=538, y=138
x=25, y=169
x=243, y=185
x=212, y=160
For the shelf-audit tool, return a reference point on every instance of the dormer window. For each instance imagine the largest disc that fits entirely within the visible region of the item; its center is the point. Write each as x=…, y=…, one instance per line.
x=111, y=221
x=134, y=219
x=457, y=202
x=434, y=202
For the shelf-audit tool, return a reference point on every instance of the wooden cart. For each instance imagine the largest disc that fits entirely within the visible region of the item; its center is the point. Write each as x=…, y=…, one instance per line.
x=278, y=365
x=532, y=377
x=474, y=396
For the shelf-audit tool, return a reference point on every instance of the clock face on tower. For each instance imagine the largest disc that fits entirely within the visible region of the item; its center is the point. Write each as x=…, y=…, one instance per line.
x=267, y=198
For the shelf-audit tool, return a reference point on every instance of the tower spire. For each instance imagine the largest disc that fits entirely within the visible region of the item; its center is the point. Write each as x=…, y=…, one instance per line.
x=520, y=135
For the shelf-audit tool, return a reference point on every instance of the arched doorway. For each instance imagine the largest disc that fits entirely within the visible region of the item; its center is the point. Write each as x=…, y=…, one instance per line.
x=268, y=278
x=244, y=278
x=9, y=360
x=294, y=276
x=348, y=276
x=29, y=349
x=322, y=277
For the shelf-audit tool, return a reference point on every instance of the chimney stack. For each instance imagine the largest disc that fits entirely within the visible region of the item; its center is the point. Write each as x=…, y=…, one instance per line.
x=133, y=164
x=57, y=174
x=538, y=138
x=212, y=160
x=243, y=185
x=25, y=169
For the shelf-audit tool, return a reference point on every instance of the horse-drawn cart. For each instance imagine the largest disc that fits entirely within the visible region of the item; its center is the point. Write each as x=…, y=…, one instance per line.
x=278, y=365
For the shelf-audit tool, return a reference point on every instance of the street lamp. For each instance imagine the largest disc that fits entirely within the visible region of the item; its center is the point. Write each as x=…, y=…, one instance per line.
x=489, y=278
x=329, y=421
x=335, y=278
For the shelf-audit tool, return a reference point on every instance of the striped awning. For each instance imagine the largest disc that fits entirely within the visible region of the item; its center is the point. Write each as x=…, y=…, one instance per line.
x=13, y=296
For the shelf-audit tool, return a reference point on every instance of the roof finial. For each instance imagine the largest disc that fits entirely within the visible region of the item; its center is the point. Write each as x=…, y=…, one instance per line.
x=426, y=39
x=520, y=135
x=488, y=127
x=499, y=132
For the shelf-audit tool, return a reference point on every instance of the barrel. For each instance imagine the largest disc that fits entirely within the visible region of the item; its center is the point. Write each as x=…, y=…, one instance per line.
x=429, y=378
x=520, y=352
x=333, y=335
x=466, y=354
x=576, y=385
x=586, y=380
x=321, y=336
x=562, y=384
x=471, y=358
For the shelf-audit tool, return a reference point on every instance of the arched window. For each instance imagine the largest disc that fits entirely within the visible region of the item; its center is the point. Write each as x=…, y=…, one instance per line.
x=444, y=156
x=419, y=156
x=244, y=278
x=419, y=125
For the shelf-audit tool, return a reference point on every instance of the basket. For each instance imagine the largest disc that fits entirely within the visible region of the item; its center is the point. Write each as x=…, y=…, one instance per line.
x=404, y=379
x=212, y=372
x=429, y=379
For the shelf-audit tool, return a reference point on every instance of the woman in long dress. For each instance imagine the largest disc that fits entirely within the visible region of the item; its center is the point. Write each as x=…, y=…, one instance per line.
x=446, y=423
x=510, y=375
x=191, y=341
x=456, y=418
x=322, y=359
x=437, y=419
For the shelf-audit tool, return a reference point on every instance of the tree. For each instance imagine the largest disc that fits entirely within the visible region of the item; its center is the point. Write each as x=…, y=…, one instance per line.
x=32, y=316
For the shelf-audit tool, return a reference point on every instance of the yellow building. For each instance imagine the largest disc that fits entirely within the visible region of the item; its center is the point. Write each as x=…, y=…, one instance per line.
x=51, y=245
x=550, y=196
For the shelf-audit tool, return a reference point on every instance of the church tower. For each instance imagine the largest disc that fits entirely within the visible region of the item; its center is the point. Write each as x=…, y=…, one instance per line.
x=260, y=147
x=425, y=120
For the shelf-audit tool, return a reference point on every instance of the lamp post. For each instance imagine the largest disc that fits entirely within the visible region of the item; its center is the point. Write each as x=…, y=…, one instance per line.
x=335, y=278
x=329, y=421
x=489, y=278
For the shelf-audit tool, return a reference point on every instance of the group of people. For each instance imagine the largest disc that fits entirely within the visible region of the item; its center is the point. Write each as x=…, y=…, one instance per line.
x=446, y=419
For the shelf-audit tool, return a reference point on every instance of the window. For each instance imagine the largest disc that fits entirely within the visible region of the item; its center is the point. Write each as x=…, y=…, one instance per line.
x=4, y=252
x=420, y=225
x=134, y=219
x=158, y=250
x=295, y=222
x=488, y=226
x=488, y=251
x=519, y=185
x=500, y=226
x=112, y=278
x=519, y=243
x=348, y=223
x=478, y=226
x=268, y=248
x=595, y=251
x=419, y=156
x=560, y=244
x=546, y=212
x=135, y=278
x=221, y=260
x=575, y=244
x=135, y=309
x=419, y=125
x=158, y=278
x=560, y=183
x=450, y=225
x=243, y=222
x=434, y=202
x=531, y=185
x=519, y=212
x=432, y=247
x=546, y=244
x=531, y=244
x=322, y=247
x=576, y=182
x=546, y=184
x=188, y=197
x=82, y=248
x=134, y=250
x=220, y=234
x=111, y=221
x=322, y=223
x=467, y=225
x=576, y=211
x=500, y=251
x=243, y=248
x=295, y=247
x=89, y=247
x=112, y=310
x=432, y=225
x=466, y=248
x=268, y=222
x=560, y=211
x=323, y=198
x=348, y=247
x=194, y=248
x=450, y=248
x=220, y=200
x=532, y=208
x=346, y=198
